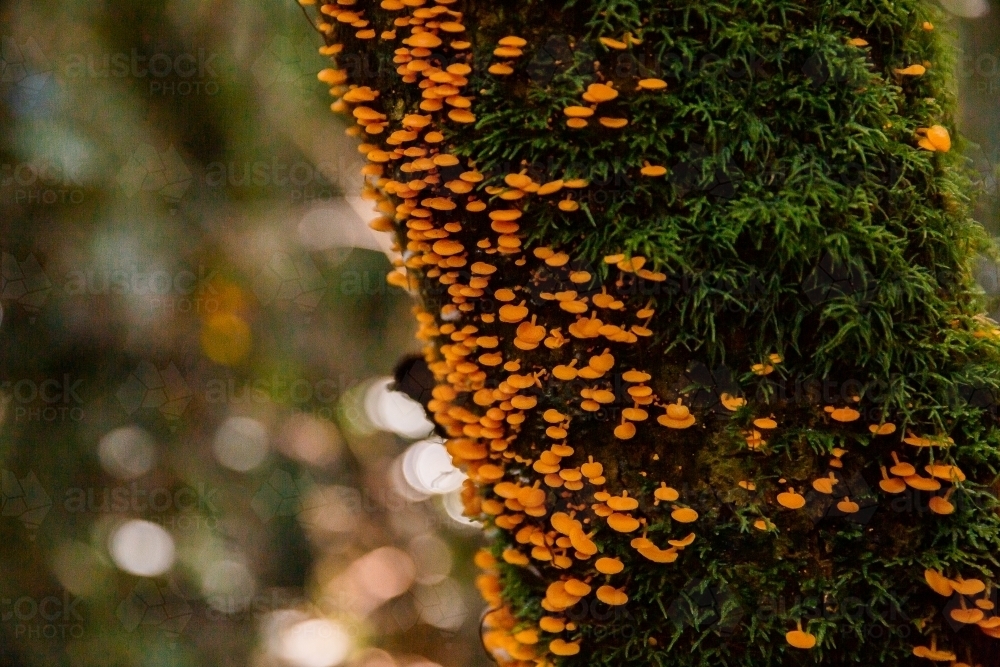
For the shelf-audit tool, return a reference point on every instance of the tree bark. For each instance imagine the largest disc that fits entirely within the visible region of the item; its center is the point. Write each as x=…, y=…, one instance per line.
x=695, y=285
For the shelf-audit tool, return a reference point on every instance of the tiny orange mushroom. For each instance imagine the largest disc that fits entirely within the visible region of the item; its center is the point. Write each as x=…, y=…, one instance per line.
x=933, y=653
x=684, y=542
x=528, y=636
x=677, y=416
x=613, y=123
x=965, y=615
x=791, y=499
x=576, y=588
x=590, y=469
x=934, y=138
x=942, y=505
x=939, y=583
x=848, y=506
x=564, y=648
x=922, y=483
x=920, y=441
x=968, y=586
x=946, y=472
x=799, y=638
x=658, y=555
x=887, y=428
x=902, y=469
x=515, y=557
x=845, y=415
x=564, y=523
x=684, y=515
x=551, y=624
x=608, y=565
x=732, y=403
x=612, y=43
x=599, y=92
x=825, y=484
x=513, y=314
x=891, y=484
x=625, y=430
x=623, y=523
x=652, y=84
x=611, y=596
x=622, y=503
x=665, y=493
x=582, y=543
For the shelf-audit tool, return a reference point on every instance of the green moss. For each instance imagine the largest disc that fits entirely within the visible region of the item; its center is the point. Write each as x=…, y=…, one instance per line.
x=798, y=217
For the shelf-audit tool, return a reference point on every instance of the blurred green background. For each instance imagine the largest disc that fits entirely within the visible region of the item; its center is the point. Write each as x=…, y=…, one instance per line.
x=201, y=460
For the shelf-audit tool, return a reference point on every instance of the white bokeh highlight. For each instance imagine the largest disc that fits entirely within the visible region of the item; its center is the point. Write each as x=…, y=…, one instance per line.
x=127, y=452
x=142, y=548
x=228, y=585
x=967, y=9
x=240, y=444
x=297, y=640
x=394, y=411
x=428, y=469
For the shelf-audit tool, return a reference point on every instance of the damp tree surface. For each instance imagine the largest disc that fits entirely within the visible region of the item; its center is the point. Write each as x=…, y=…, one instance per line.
x=694, y=281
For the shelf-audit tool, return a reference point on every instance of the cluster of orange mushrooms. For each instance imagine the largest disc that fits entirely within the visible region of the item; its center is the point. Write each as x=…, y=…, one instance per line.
x=487, y=346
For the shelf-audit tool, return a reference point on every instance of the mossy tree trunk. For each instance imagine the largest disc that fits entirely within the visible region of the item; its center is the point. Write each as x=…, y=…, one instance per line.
x=695, y=286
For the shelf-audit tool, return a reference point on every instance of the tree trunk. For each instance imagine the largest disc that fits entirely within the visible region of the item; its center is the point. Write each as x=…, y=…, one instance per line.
x=696, y=290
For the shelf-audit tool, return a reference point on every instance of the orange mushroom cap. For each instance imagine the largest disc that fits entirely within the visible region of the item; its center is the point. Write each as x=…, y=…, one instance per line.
x=608, y=565
x=658, y=555
x=791, y=500
x=577, y=588
x=666, y=493
x=939, y=583
x=845, y=415
x=599, y=92
x=684, y=515
x=652, y=84
x=623, y=523
x=968, y=586
x=563, y=647
x=801, y=639
x=677, y=416
x=611, y=595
